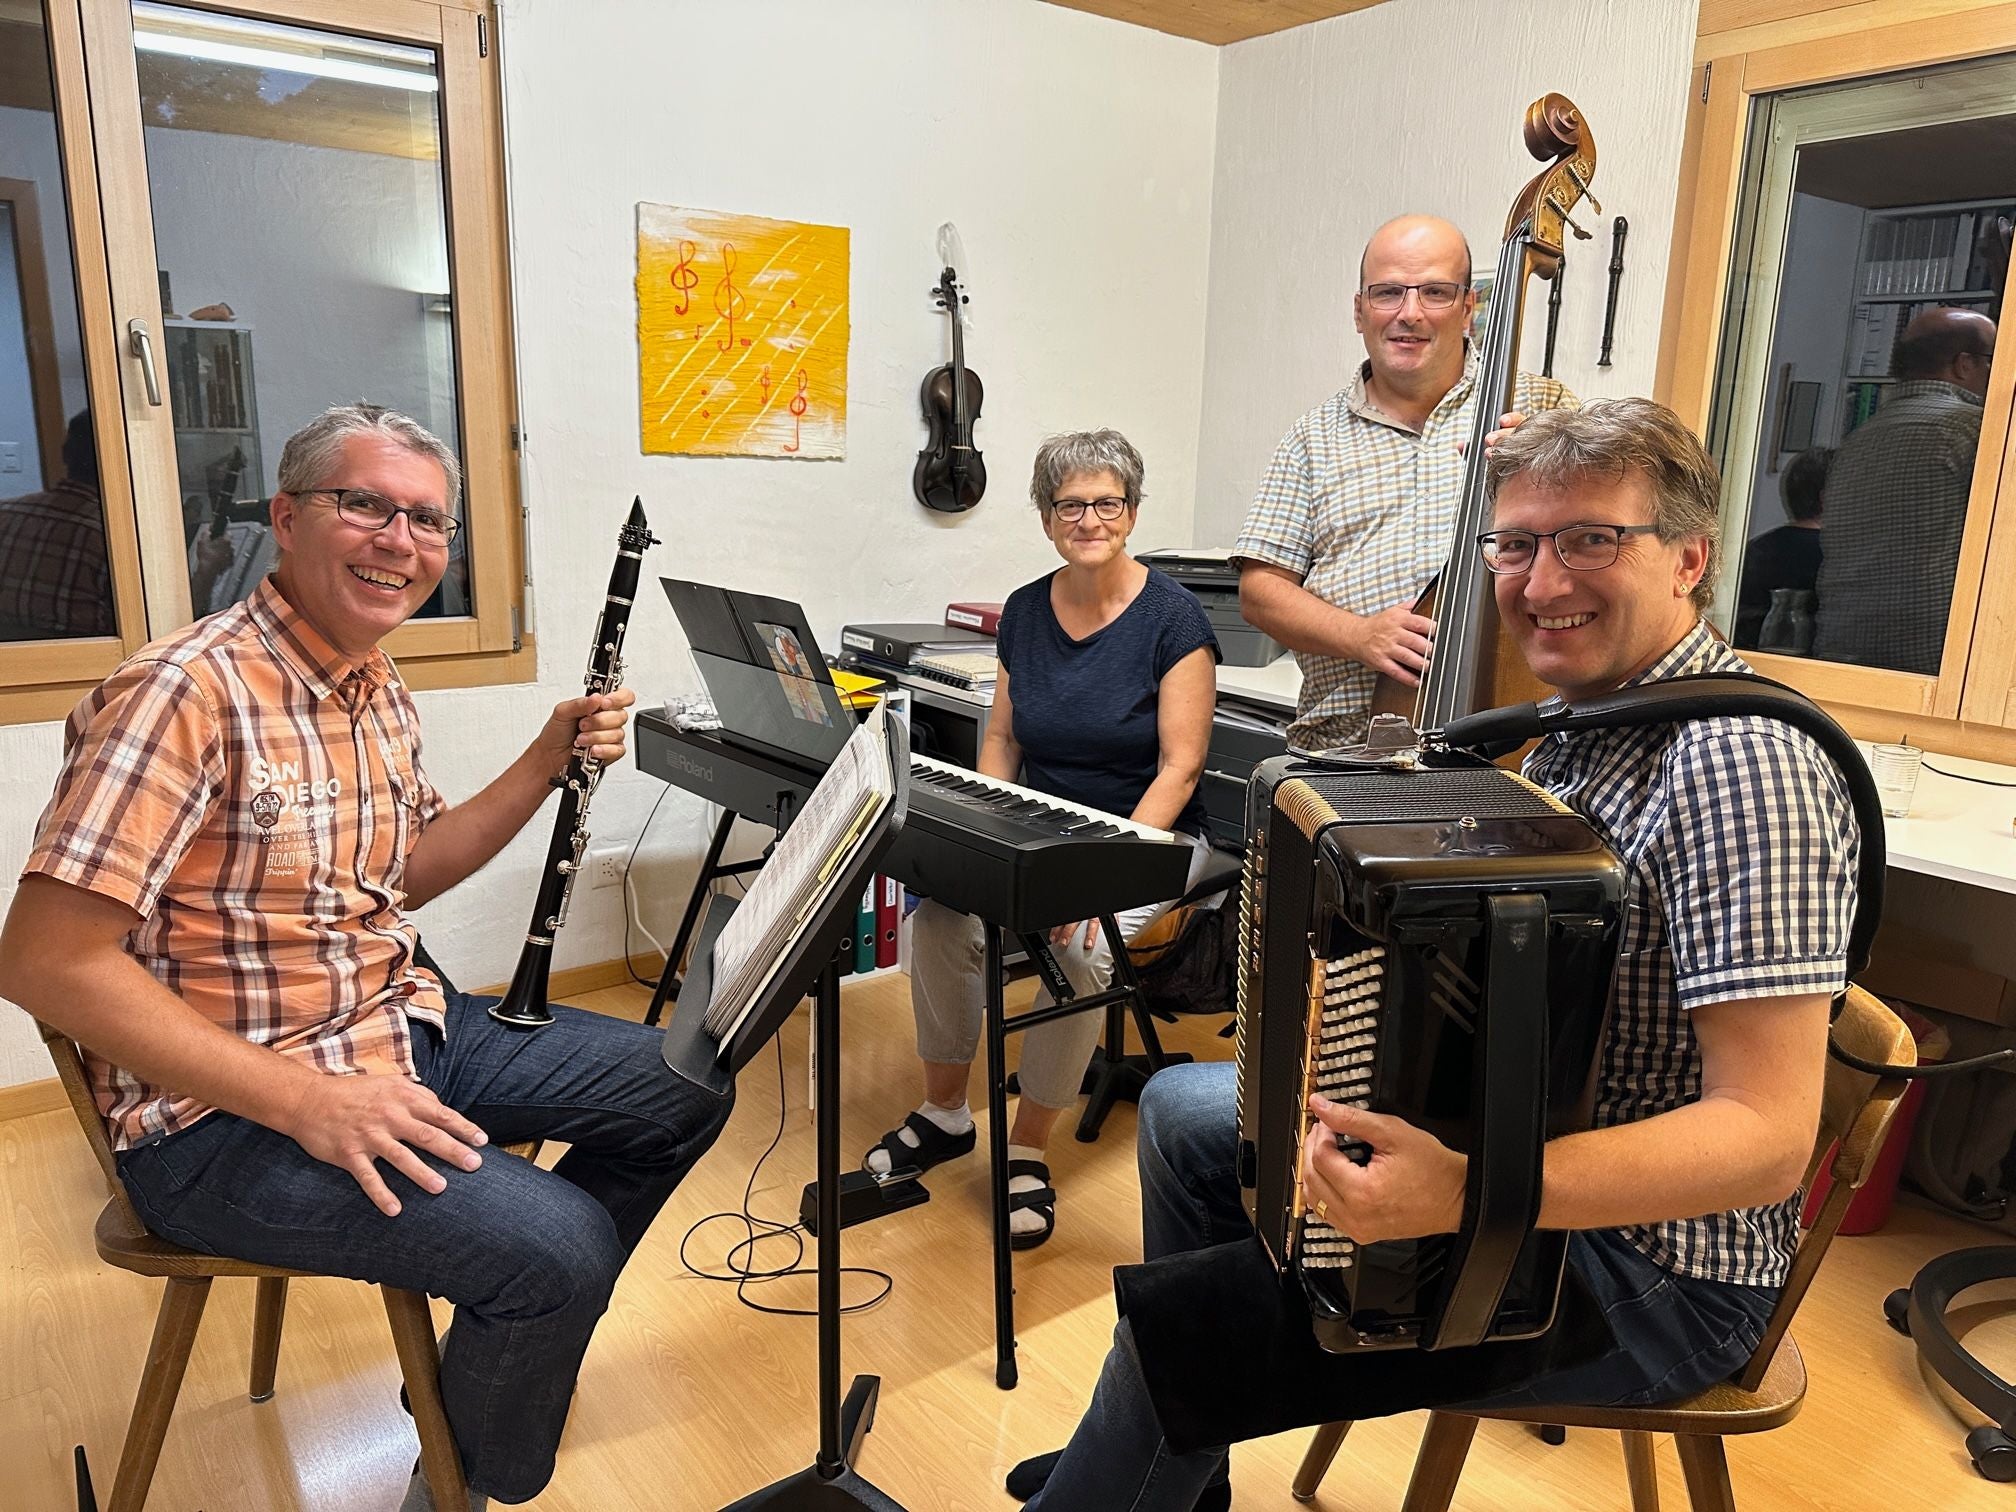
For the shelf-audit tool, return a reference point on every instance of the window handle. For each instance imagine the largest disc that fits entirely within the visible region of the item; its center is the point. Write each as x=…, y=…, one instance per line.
x=142, y=346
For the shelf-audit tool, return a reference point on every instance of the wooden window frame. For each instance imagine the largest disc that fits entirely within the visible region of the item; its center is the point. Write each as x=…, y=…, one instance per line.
x=1806, y=43
x=105, y=173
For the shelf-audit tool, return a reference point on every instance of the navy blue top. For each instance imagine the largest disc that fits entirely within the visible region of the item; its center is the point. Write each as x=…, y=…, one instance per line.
x=1085, y=709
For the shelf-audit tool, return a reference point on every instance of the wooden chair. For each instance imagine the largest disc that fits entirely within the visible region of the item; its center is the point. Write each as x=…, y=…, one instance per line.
x=123, y=1241
x=1856, y=1111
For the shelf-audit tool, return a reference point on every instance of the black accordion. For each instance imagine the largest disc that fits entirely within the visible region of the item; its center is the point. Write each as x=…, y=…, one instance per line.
x=1435, y=943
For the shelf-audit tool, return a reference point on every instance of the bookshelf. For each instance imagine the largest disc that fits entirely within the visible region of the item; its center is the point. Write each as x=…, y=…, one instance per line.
x=1912, y=258
x=217, y=456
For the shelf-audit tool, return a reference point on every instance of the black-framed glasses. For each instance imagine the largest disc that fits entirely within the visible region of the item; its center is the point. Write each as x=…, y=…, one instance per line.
x=1434, y=296
x=1582, y=548
x=373, y=511
x=1071, y=511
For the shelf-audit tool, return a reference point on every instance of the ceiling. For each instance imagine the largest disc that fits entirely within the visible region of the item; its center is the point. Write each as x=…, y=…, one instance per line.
x=1926, y=165
x=1218, y=21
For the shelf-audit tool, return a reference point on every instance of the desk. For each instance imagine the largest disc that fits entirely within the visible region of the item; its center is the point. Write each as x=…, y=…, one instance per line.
x=1958, y=830
x=1275, y=686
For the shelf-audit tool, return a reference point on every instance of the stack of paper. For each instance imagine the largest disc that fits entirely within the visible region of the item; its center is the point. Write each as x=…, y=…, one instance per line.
x=800, y=875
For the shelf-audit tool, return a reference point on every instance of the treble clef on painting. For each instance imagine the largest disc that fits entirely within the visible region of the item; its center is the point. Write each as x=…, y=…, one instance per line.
x=798, y=408
x=729, y=303
x=684, y=279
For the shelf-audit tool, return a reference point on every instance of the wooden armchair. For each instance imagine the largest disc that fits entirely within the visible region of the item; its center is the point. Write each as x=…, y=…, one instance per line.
x=123, y=1241
x=1855, y=1114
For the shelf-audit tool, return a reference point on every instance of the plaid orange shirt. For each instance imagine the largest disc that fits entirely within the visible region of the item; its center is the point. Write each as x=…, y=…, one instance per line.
x=253, y=798
x=56, y=579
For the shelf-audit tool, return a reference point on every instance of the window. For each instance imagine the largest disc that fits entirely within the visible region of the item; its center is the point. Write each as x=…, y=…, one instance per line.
x=295, y=213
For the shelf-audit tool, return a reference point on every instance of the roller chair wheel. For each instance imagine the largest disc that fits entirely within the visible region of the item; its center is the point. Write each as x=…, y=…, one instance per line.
x=1897, y=1310
x=1993, y=1453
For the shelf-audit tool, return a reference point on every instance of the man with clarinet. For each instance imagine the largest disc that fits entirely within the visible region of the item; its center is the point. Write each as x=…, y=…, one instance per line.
x=215, y=908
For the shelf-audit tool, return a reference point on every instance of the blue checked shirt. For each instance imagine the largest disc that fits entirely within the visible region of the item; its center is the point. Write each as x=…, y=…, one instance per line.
x=1741, y=849
x=1363, y=509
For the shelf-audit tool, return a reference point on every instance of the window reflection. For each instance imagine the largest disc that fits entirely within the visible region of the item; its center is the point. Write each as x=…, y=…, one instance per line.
x=1871, y=256
x=55, y=577
x=300, y=229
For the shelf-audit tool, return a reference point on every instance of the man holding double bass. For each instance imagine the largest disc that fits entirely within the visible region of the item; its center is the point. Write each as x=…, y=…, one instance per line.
x=1353, y=519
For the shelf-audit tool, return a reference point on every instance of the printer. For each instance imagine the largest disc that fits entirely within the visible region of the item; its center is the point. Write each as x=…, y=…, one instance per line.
x=1209, y=574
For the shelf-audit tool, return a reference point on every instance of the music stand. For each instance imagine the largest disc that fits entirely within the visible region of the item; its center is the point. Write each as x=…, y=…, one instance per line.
x=830, y=1483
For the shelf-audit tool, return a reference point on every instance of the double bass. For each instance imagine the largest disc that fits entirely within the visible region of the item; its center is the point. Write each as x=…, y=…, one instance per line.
x=950, y=475
x=1470, y=666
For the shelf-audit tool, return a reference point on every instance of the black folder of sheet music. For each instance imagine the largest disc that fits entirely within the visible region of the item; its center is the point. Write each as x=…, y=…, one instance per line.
x=1018, y=858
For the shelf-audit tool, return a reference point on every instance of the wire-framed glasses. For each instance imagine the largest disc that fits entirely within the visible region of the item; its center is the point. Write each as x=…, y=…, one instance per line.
x=1583, y=548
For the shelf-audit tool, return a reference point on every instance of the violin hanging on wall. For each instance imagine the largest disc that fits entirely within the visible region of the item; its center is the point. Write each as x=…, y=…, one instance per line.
x=950, y=475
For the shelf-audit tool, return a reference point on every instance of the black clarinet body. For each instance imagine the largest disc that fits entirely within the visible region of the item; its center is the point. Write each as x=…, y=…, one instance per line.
x=524, y=1005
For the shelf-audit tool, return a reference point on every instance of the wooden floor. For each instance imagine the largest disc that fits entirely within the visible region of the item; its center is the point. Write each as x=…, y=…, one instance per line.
x=689, y=1399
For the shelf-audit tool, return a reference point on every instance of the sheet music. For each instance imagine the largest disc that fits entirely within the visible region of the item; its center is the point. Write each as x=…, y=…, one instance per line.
x=801, y=872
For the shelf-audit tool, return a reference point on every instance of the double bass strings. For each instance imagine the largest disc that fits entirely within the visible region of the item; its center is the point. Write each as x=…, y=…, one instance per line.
x=1459, y=604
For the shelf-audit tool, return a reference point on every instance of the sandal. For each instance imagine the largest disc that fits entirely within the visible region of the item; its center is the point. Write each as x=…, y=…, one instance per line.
x=934, y=1146
x=1042, y=1202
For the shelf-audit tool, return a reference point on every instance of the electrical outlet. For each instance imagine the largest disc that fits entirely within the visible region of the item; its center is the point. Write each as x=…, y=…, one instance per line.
x=10, y=456
x=605, y=867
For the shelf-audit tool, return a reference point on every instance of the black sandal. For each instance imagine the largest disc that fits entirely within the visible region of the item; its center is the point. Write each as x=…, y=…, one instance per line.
x=934, y=1146
x=1042, y=1202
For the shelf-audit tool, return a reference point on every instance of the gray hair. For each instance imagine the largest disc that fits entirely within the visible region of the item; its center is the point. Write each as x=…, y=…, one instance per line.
x=1614, y=438
x=1072, y=455
x=312, y=450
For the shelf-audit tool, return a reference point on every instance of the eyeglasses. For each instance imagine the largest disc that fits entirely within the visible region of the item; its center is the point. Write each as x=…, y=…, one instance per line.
x=1584, y=548
x=373, y=511
x=1071, y=511
x=1434, y=296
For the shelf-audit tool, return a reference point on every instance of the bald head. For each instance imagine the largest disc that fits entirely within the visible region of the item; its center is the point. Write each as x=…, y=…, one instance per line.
x=1418, y=239
x=1947, y=344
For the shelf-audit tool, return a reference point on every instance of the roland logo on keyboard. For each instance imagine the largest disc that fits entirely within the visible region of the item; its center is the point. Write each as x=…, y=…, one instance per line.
x=700, y=770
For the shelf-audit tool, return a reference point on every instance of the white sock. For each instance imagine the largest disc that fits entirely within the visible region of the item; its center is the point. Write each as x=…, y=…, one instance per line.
x=1024, y=1220
x=954, y=1121
x=420, y=1496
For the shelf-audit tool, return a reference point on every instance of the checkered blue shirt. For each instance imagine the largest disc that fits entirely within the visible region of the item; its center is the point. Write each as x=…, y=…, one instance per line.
x=1741, y=846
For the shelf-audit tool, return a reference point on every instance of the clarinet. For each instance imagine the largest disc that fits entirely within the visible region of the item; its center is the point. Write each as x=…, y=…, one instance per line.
x=524, y=1006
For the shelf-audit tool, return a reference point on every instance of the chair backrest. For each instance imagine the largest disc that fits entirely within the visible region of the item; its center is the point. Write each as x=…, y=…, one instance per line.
x=1856, y=1111
x=77, y=1087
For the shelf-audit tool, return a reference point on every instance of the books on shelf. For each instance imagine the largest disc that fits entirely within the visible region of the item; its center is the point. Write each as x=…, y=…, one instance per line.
x=1917, y=254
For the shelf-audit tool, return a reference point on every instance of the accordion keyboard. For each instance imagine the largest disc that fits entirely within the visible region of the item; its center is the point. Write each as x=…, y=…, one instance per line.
x=1346, y=1041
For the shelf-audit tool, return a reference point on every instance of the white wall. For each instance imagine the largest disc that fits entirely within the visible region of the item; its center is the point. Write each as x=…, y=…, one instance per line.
x=325, y=253
x=1816, y=299
x=1326, y=130
x=17, y=383
x=28, y=151
x=1073, y=153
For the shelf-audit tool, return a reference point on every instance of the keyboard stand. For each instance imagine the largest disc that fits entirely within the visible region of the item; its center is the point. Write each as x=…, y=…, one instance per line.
x=711, y=870
x=1124, y=993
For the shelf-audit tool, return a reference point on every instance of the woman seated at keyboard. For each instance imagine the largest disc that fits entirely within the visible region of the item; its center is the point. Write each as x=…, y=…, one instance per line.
x=1104, y=698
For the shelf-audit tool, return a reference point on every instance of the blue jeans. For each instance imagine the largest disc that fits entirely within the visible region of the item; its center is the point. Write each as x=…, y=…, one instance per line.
x=1675, y=1335
x=529, y=1257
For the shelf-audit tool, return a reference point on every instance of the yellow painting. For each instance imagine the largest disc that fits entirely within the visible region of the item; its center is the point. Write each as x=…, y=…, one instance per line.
x=741, y=334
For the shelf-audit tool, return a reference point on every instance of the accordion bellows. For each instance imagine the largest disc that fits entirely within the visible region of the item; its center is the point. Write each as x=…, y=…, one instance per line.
x=1436, y=944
